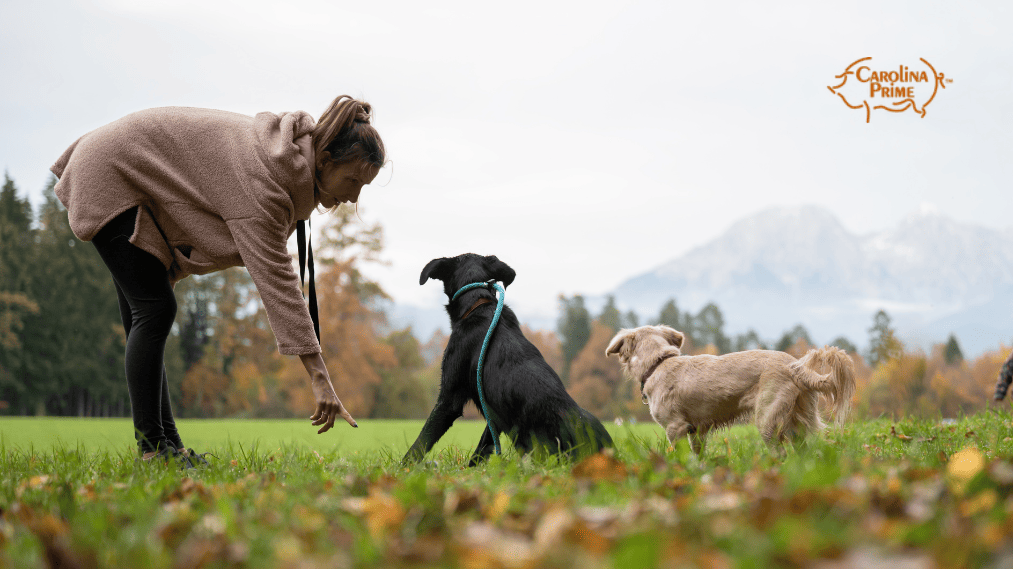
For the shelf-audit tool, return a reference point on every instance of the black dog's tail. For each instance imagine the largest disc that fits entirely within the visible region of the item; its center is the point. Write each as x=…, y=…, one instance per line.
x=586, y=434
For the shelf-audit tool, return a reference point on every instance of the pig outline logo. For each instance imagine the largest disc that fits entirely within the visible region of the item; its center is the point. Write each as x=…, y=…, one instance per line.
x=895, y=106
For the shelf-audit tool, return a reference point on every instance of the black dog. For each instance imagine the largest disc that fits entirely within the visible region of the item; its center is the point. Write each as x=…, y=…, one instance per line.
x=525, y=398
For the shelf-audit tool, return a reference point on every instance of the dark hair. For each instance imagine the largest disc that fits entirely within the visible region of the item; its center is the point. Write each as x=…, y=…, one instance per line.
x=344, y=130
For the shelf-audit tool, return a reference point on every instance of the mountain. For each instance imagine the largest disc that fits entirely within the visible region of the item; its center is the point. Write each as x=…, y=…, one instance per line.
x=933, y=276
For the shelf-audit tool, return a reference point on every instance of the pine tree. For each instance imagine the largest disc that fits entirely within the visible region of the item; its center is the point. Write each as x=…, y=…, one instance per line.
x=952, y=353
x=574, y=327
x=749, y=341
x=670, y=315
x=76, y=340
x=709, y=328
x=883, y=342
x=844, y=344
x=791, y=337
x=610, y=316
x=630, y=320
x=17, y=252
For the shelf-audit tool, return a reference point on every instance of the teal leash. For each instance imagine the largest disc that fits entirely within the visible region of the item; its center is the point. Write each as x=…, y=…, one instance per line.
x=485, y=344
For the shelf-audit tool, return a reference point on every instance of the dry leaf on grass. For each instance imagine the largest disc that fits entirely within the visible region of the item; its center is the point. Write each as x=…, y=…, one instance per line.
x=600, y=466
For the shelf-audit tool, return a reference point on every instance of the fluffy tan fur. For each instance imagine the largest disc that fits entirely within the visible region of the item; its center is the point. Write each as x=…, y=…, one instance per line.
x=690, y=395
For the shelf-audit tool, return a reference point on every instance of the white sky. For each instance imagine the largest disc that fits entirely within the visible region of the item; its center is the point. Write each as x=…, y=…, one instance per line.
x=583, y=143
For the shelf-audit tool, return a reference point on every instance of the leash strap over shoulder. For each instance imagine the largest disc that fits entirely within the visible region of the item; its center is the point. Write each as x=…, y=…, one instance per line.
x=305, y=244
x=500, y=297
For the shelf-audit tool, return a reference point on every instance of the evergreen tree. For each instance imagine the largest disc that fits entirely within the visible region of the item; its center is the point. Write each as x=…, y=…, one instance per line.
x=630, y=320
x=610, y=316
x=844, y=344
x=17, y=252
x=952, y=352
x=709, y=328
x=76, y=340
x=792, y=336
x=883, y=342
x=749, y=341
x=670, y=315
x=574, y=327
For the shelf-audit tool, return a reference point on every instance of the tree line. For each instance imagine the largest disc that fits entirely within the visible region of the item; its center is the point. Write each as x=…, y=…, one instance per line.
x=62, y=341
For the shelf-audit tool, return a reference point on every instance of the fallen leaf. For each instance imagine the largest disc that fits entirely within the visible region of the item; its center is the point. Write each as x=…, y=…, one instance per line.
x=499, y=506
x=600, y=466
x=53, y=533
x=965, y=465
x=901, y=436
x=383, y=512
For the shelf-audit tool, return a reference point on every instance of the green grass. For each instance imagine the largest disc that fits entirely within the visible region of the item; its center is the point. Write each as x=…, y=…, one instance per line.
x=875, y=494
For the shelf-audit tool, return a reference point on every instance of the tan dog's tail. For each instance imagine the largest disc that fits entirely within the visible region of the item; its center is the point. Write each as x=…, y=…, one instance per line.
x=837, y=383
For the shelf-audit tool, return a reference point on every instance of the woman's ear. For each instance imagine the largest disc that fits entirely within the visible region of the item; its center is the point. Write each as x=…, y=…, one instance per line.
x=435, y=269
x=499, y=270
x=323, y=158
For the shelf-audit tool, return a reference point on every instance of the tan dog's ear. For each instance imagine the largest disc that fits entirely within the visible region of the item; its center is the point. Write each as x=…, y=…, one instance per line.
x=673, y=336
x=616, y=345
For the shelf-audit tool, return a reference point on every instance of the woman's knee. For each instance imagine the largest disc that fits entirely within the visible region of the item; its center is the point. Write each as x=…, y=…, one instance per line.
x=157, y=315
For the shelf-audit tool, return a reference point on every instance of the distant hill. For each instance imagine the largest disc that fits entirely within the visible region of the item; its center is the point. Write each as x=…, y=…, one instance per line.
x=934, y=276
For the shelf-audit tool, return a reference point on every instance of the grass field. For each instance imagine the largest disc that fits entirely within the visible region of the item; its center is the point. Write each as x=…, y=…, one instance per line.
x=877, y=494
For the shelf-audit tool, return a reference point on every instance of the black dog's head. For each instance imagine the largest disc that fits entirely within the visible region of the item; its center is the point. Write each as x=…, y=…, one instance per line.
x=455, y=272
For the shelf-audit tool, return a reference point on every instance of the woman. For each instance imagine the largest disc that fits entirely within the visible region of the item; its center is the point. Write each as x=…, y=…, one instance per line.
x=1005, y=378
x=170, y=192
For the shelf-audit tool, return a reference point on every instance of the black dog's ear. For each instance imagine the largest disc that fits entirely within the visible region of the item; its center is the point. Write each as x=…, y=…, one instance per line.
x=435, y=269
x=499, y=270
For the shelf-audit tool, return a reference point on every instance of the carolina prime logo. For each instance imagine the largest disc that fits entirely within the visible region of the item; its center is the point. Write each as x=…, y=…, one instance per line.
x=864, y=85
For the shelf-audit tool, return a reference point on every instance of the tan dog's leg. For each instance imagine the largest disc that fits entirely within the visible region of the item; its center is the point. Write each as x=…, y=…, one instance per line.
x=775, y=405
x=676, y=429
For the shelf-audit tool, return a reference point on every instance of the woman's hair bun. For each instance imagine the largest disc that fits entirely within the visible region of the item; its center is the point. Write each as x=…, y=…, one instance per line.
x=363, y=113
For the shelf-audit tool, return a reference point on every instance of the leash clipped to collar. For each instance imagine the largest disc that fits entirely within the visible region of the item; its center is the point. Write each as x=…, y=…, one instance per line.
x=490, y=284
x=305, y=245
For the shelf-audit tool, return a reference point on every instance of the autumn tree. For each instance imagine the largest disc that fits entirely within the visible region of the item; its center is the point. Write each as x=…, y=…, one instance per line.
x=352, y=318
x=548, y=345
x=403, y=391
x=597, y=383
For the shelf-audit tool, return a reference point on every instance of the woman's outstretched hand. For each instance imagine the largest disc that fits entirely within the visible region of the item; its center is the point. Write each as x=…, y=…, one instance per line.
x=329, y=407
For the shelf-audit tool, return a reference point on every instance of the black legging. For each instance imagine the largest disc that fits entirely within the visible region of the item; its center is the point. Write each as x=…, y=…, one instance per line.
x=148, y=309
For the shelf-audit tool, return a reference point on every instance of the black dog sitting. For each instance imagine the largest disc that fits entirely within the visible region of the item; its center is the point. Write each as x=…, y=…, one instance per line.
x=524, y=396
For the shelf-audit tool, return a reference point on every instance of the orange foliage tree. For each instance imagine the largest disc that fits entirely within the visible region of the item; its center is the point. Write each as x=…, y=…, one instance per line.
x=597, y=382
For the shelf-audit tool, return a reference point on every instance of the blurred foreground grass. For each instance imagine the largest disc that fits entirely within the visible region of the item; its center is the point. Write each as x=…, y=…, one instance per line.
x=913, y=493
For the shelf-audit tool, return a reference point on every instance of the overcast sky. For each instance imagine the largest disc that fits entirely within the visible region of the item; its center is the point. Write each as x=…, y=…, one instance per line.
x=582, y=143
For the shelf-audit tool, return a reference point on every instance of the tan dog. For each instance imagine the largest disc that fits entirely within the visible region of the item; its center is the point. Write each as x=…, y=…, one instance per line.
x=690, y=395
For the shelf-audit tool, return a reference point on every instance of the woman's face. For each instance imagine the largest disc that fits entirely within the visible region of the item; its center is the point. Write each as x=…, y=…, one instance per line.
x=342, y=183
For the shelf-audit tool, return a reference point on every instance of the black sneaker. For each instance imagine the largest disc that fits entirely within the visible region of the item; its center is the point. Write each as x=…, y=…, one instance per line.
x=198, y=458
x=168, y=454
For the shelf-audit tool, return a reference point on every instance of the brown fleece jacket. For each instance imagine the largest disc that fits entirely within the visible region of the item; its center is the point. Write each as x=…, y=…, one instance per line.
x=215, y=189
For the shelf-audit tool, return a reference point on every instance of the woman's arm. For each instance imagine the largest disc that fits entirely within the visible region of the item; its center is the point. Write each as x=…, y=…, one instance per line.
x=328, y=404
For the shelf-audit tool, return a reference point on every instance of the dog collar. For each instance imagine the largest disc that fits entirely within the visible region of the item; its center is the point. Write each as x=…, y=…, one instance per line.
x=652, y=369
x=478, y=303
